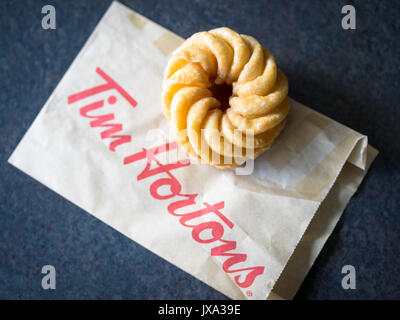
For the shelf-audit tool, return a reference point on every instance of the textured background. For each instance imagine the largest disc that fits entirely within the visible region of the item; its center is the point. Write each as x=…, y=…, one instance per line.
x=349, y=75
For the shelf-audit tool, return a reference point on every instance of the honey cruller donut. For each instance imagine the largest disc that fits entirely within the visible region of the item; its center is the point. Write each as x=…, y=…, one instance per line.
x=258, y=105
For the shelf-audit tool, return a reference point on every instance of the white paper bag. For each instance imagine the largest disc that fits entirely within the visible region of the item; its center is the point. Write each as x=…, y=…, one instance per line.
x=101, y=141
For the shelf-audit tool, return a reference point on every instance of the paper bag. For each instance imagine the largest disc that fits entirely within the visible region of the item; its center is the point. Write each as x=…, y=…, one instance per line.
x=102, y=142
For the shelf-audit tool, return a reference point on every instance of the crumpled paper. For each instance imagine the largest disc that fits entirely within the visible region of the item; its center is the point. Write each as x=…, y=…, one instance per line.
x=102, y=142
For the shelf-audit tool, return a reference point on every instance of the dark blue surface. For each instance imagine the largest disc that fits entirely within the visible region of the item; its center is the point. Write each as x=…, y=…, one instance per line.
x=351, y=76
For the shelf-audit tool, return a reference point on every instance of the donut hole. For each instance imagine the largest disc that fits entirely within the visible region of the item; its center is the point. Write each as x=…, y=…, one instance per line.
x=222, y=92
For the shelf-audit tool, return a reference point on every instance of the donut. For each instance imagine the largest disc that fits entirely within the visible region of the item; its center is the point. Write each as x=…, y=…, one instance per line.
x=224, y=97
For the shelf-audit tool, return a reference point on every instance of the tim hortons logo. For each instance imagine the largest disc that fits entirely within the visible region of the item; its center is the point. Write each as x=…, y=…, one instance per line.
x=162, y=176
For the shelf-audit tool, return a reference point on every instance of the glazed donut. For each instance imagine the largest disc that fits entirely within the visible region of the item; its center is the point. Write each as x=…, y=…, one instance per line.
x=255, y=113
